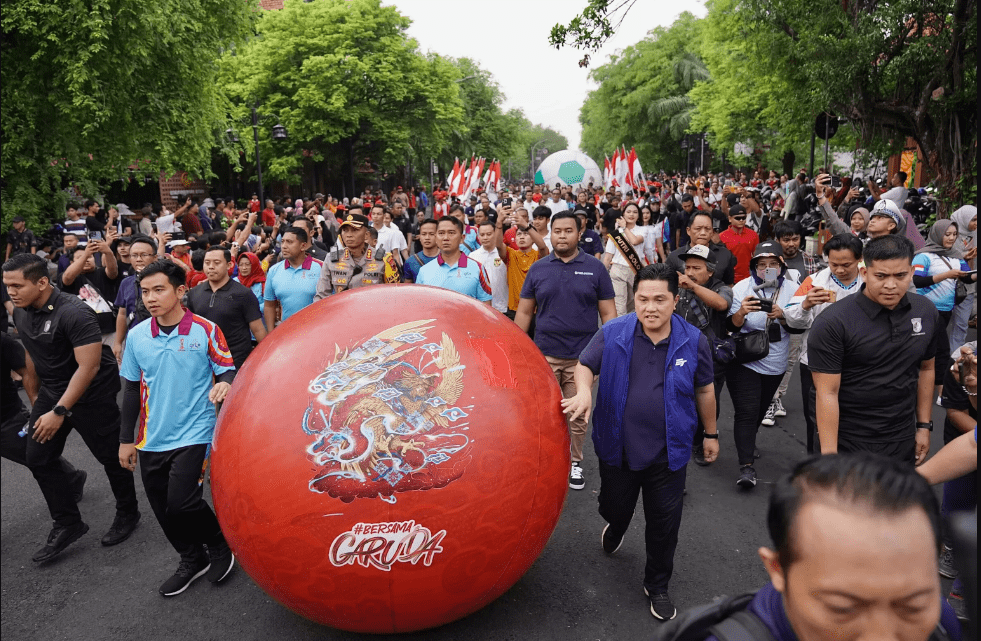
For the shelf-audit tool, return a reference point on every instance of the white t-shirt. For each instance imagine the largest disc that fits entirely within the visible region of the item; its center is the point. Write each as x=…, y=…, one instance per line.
x=497, y=272
x=165, y=224
x=618, y=258
x=557, y=207
x=391, y=239
x=897, y=195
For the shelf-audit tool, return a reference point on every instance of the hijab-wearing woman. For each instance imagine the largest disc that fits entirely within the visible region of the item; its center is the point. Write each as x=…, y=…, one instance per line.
x=966, y=219
x=251, y=275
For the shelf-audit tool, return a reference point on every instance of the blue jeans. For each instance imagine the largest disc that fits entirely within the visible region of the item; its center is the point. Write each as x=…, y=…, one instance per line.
x=958, y=322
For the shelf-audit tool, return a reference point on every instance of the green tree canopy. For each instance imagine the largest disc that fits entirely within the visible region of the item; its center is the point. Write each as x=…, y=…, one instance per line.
x=91, y=89
x=348, y=84
x=642, y=99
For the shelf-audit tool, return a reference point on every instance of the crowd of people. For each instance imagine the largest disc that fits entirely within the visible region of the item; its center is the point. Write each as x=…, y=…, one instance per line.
x=654, y=301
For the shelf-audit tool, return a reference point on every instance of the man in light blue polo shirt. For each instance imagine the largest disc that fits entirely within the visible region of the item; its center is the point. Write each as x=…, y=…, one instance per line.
x=292, y=282
x=177, y=366
x=452, y=269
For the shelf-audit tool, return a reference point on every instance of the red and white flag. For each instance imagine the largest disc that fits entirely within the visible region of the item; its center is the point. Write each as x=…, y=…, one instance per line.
x=454, y=178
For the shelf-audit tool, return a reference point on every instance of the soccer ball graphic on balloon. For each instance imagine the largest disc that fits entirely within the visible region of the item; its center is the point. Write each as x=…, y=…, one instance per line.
x=569, y=167
x=391, y=459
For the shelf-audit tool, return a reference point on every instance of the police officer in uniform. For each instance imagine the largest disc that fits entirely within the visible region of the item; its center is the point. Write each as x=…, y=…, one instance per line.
x=358, y=264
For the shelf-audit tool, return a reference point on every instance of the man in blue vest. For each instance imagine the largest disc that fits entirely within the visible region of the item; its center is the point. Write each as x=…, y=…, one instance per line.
x=655, y=381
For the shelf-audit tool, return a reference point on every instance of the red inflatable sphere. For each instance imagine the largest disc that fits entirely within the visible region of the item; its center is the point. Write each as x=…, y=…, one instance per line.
x=391, y=459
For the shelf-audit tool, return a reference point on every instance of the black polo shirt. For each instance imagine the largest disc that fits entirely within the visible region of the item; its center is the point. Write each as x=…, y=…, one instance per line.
x=878, y=353
x=51, y=334
x=231, y=307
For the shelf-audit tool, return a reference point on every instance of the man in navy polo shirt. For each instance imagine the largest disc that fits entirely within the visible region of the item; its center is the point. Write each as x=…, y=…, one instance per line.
x=565, y=292
x=655, y=382
x=292, y=282
x=452, y=269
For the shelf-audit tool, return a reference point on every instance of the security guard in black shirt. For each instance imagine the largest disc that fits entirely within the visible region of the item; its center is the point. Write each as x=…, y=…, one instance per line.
x=79, y=381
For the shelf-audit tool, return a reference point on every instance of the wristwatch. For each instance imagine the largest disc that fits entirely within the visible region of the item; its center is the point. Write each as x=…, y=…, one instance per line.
x=711, y=436
x=924, y=426
x=61, y=410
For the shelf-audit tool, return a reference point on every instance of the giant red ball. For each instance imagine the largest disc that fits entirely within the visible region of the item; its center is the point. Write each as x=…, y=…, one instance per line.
x=390, y=459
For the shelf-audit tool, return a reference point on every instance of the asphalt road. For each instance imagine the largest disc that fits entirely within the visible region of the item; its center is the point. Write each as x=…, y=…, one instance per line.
x=573, y=591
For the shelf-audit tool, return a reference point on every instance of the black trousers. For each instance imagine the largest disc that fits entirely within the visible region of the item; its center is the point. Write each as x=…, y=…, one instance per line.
x=174, y=484
x=808, y=396
x=97, y=422
x=13, y=447
x=904, y=451
x=751, y=394
x=720, y=381
x=663, y=494
x=942, y=360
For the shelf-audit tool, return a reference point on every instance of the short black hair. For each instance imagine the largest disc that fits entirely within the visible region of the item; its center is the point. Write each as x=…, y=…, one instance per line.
x=695, y=214
x=216, y=238
x=90, y=202
x=301, y=234
x=872, y=483
x=74, y=250
x=902, y=176
x=372, y=232
x=197, y=259
x=71, y=206
x=429, y=221
x=687, y=198
x=33, y=266
x=889, y=247
x=456, y=222
x=563, y=215
x=224, y=252
x=487, y=223
x=658, y=271
x=175, y=275
x=455, y=207
x=146, y=240
x=541, y=212
x=844, y=241
x=788, y=228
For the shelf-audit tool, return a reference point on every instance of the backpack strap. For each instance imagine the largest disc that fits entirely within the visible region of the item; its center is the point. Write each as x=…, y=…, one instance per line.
x=741, y=626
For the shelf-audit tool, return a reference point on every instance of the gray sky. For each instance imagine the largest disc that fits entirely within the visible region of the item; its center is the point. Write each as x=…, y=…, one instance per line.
x=509, y=38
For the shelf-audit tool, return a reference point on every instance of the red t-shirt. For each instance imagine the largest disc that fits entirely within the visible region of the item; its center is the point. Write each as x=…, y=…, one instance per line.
x=741, y=245
x=268, y=217
x=255, y=205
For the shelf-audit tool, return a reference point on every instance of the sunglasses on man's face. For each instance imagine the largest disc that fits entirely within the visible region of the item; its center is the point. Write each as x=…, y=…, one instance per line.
x=739, y=217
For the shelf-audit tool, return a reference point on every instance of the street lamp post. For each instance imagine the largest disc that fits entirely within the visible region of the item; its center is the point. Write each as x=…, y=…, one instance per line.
x=278, y=134
x=531, y=169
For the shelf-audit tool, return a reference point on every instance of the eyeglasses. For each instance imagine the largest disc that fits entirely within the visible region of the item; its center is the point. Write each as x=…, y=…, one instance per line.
x=141, y=255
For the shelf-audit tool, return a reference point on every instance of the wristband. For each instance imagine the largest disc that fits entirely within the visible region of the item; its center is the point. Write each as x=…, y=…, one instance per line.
x=924, y=426
x=711, y=436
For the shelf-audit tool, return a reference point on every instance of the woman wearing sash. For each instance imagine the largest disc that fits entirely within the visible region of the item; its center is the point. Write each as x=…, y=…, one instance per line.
x=624, y=257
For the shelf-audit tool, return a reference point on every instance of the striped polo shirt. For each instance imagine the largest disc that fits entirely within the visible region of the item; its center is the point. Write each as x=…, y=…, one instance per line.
x=176, y=372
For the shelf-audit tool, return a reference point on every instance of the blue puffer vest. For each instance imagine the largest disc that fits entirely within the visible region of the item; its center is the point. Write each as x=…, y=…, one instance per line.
x=680, y=414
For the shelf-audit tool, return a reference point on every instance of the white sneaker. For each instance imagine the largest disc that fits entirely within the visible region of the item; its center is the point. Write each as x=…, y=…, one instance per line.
x=778, y=409
x=770, y=418
x=576, y=481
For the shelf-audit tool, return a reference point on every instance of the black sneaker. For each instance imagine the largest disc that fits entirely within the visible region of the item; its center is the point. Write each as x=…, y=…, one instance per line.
x=946, y=563
x=121, y=529
x=956, y=601
x=78, y=485
x=576, y=481
x=58, y=539
x=747, y=477
x=610, y=543
x=222, y=559
x=187, y=572
x=698, y=455
x=661, y=606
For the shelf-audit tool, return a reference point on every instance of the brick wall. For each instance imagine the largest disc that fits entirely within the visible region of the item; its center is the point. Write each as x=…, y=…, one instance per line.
x=174, y=189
